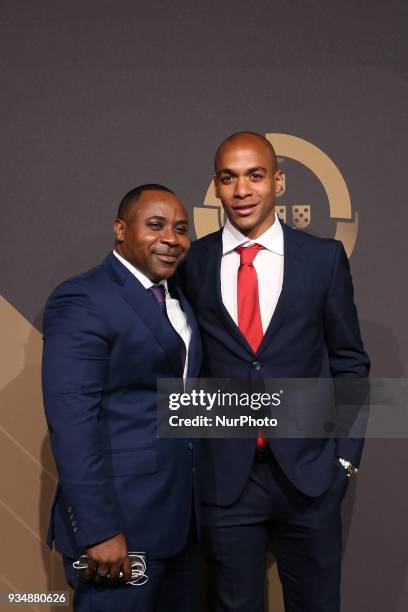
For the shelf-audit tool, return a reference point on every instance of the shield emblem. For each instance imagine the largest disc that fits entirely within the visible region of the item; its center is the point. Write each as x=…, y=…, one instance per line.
x=281, y=212
x=301, y=214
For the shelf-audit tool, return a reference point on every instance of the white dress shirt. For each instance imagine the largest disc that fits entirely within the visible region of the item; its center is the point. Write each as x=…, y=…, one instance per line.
x=268, y=265
x=175, y=313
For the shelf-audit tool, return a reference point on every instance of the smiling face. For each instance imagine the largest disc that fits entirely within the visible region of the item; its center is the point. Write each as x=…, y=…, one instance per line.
x=154, y=237
x=246, y=181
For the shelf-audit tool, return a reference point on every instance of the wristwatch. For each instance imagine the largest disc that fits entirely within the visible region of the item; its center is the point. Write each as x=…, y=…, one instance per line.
x=349, y=467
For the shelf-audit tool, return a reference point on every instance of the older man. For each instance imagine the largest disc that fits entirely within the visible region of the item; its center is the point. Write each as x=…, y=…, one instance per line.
x=109, y=334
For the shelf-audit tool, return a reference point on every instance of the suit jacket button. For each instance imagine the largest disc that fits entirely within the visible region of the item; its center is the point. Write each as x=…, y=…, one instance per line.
x=256, y=365
x=190, y=446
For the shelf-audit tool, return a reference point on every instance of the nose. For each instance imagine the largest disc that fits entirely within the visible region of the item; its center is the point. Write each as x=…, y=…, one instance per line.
x=169, y=236
x=242, y=187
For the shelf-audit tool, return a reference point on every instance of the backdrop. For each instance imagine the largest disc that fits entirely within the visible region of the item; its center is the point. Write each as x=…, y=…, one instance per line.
x=99, y=96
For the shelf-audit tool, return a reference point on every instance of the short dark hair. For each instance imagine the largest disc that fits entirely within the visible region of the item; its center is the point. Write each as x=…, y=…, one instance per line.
x=134, y=194
x=247, y=134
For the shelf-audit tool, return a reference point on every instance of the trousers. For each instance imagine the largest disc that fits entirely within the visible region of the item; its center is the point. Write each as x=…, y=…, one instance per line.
x=304, y=534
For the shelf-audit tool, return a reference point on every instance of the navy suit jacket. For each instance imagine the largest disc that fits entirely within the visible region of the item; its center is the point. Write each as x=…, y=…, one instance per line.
x=106, y=343
x=314, y=333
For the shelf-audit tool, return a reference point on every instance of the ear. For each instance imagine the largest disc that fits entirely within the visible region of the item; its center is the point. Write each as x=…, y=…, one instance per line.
x=215, y=181
x=119, y=229
x=279, y=180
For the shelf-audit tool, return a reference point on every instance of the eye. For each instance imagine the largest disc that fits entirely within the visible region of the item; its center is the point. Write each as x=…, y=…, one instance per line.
x=156, y=225
x=226, y=179
x=256, y=177
x=182, y=229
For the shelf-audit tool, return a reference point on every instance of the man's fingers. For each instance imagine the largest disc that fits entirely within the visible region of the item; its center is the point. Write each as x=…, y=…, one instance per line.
x=102, y=572
x=127, y=570
x=106, y=559
x=90, y=570
x=114, y=571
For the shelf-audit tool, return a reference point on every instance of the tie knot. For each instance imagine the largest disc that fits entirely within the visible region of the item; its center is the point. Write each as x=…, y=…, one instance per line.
x=248, y=254
x=159, y=294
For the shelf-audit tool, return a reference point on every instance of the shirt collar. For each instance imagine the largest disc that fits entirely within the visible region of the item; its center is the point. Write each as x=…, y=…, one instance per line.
x=142, y=278
x=272, y=239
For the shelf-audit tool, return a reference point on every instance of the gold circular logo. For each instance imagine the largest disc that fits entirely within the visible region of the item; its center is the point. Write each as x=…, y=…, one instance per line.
x=210, y=217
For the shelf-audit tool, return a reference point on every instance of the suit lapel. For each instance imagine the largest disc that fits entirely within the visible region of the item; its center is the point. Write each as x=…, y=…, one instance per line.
x=145, y=308
x=213, y=275
x=194, y=350
x=292, y=279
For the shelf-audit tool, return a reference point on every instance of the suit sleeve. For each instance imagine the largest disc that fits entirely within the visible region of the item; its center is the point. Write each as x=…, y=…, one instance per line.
x=347, y=356
x=75, y=361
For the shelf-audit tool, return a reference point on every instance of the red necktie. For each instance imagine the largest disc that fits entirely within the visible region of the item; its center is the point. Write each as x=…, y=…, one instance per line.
x=249, y=313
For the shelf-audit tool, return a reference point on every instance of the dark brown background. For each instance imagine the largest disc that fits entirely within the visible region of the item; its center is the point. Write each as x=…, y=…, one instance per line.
x=98, y=96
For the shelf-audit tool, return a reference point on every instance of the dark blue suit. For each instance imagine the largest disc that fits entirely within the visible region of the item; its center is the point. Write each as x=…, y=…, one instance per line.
x=314, y=332
x=105, y=345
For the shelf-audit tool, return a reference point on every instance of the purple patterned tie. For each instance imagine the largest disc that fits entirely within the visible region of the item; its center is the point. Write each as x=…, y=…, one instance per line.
x=159, y=294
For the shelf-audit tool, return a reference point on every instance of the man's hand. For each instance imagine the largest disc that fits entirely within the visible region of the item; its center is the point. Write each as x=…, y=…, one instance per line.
x=108, y=559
